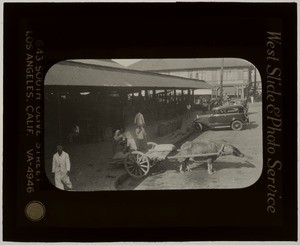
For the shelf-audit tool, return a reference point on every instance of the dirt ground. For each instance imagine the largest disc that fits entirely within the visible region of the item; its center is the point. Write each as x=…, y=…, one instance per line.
x=93, y=169
x=231, y=172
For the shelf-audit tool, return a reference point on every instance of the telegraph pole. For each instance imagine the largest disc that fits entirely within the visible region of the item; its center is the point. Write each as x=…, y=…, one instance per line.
x=221, y=78
x=254, y=88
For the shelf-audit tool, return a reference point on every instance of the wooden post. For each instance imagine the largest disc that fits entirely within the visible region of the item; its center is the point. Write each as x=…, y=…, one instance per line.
x=249, y=82
x=243, y=94
x=254, y=88
x=174, y=101
x=123, y=96
x=60, y=136
x=155, y=109
x=166, y=107
x=166, y=95
x=221, y=78
x=193, y=96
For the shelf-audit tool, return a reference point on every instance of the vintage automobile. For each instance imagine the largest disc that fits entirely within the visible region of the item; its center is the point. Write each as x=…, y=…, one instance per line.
x=242, y=102
x=231, y=116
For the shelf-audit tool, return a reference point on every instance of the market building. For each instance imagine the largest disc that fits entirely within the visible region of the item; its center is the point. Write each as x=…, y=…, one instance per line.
x=240, y=77
x=101, y=96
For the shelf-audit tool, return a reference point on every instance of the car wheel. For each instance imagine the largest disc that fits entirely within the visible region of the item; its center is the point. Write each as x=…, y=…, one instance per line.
x=199, y=127
x=236, y=125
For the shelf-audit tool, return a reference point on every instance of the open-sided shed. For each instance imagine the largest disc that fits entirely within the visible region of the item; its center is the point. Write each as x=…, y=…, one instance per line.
x=102, y=98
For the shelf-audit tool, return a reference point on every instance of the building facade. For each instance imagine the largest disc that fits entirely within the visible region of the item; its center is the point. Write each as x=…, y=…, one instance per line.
x=240, y=77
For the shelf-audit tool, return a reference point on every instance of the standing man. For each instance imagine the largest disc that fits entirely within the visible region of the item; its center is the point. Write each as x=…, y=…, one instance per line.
x=61, y=168
x=226, y=97
x=139, y=119
x=188, y=107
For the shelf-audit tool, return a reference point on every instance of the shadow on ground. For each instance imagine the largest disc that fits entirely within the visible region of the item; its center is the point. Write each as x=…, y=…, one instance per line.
x=174, y=165
x=252, y=125
x=226, y=165
x=130, y=183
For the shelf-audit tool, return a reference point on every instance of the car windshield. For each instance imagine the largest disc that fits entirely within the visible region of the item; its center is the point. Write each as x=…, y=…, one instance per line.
x=220, y=111
x=233, y=110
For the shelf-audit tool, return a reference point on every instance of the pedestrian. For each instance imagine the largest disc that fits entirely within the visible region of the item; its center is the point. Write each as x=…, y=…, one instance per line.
x=227, y=102
x=188, y=107
x=141, y=139
x=226, y=97
x=139, y=119
x=205, y=105
x=252, y=98
x=61, y=168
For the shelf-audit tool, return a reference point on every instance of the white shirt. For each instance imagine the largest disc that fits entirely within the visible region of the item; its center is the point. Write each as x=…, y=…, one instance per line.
x=76, y=129
x=118, y=136
x=139, y=119
x=140, y=133
x=61, y=163
x=131, y=144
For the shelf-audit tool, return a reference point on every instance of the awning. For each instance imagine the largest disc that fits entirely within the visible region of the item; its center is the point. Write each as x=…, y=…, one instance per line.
x=68, y=73
x=203, y=92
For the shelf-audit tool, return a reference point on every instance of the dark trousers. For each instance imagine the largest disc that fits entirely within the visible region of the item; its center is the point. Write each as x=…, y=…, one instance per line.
x=142, y=145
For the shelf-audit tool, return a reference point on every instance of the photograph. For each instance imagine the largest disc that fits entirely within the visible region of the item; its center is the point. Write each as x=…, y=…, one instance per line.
x=155, y=124
x=149, y=122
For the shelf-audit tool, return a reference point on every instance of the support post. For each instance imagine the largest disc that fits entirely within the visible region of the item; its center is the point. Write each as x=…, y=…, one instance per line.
x=254, y=88
x=60, y=137
x=221, y=78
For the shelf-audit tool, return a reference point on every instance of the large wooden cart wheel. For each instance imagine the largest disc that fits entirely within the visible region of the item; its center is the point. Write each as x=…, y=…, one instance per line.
x=137, y=164
x=151, y=145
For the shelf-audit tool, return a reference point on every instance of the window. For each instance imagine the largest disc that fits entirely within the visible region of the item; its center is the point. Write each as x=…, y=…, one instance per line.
x=219, y=111
x=246, y=74
x=208, y=76
x=233, y=110
x=231, y=75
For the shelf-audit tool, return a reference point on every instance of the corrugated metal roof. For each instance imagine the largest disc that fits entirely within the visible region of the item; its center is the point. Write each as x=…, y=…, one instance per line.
x=184, y=64
x=100, y=62
x=68, y=73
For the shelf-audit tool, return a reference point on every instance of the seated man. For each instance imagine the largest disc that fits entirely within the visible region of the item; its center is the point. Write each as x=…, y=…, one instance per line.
x=118, y=140
x=130, y=143
x=141, y=139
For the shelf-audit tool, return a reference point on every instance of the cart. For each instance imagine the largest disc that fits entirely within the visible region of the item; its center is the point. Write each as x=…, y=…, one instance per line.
x=138, y=164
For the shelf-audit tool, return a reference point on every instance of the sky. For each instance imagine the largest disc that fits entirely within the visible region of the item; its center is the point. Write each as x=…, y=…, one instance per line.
x=126, y=62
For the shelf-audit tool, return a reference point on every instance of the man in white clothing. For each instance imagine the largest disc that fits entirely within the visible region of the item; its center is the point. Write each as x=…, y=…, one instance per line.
x=141, y=139
x=139, y=119
x=60, y=168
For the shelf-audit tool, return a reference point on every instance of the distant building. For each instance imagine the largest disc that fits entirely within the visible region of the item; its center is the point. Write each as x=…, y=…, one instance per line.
x=240, y=77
